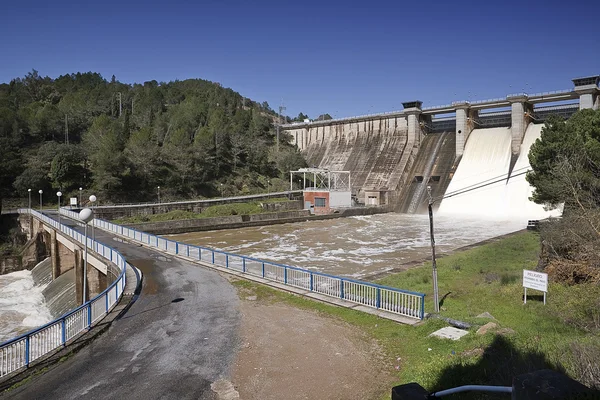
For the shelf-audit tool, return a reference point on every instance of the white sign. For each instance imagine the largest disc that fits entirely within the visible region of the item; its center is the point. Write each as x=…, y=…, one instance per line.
x=74, y=201
x=535, y=280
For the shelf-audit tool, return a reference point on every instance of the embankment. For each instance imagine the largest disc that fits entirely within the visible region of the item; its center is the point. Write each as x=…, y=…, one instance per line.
x=243, y=221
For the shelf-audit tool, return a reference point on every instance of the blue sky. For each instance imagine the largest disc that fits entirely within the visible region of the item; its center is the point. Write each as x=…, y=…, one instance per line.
x=344, y=58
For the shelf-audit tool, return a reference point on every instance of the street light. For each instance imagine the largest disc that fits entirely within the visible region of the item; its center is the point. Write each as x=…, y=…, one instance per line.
x=80, y=189
x=221, y=190
x=158, y=189
x=268, y=187
x=29, y=191
x=40, y=192
x=93, y=200
x=59, y=193
x=86, y=215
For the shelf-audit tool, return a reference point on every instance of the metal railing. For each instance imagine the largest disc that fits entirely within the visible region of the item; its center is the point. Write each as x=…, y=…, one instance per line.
x=397, y=301
x=212, y=200
x=21, y=351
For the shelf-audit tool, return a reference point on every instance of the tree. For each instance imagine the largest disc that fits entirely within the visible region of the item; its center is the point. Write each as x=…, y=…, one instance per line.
x=300, y=118
x=565, y=165
x=324, y=117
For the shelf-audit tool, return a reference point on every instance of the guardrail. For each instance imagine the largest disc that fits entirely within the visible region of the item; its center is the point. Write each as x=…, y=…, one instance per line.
x=21, y=351
x=398, y=301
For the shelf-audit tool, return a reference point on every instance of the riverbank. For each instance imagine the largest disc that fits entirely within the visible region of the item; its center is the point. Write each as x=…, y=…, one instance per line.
x=246, y=220
x=561, y=335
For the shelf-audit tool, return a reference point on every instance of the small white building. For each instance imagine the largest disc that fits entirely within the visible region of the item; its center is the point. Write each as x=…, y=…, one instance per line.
x=323, y=190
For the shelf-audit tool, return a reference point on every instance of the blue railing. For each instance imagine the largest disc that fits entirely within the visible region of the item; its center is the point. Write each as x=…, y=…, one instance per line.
x=398, y=301
x=21, y=351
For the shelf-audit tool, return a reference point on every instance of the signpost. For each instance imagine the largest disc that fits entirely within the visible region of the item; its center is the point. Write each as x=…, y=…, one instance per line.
x=535, y=280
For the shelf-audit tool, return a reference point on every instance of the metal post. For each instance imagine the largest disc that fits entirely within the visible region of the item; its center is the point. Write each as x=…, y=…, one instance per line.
x=29, y=191
x=436, y=301
x=544, y=298
x=85, y=265
x=40, y=192
x=525, y=297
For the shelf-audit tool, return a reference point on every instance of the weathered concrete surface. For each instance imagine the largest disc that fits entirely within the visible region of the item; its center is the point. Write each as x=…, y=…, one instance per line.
x=175, y=340
x=375, y=150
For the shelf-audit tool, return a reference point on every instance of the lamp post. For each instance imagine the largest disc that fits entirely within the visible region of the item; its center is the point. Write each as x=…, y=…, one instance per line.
x=59, y=193
x=436, y=301
x=221, y=190
x=268, y=187
x=158, y=192
x=40, y=192
x=86, y=215
x=80, y=189
x=93, y=200
x=29, y=192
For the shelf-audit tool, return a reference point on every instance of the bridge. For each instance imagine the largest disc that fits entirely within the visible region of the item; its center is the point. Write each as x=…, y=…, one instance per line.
x=154, y=346
x=380, y=149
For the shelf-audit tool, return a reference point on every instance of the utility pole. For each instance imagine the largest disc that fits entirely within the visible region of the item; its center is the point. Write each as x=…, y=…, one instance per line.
x=281, y=109
x=66, y=129
x=436, y=300
x=120, y=104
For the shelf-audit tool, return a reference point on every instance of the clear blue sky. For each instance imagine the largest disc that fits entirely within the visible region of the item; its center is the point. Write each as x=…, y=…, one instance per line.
x=344, y=58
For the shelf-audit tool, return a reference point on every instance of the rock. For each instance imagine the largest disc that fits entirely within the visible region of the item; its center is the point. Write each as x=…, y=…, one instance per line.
x=505, y=331
x=485, y=315
x=251, y=298
x=487, y=328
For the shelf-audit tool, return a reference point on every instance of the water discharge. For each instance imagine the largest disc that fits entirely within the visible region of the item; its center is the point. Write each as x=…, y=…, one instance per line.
x=22, y=305
x=355, y=246
x=481, y=186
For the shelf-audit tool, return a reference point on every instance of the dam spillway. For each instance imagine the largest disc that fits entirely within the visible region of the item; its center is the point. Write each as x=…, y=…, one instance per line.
x=482, y=185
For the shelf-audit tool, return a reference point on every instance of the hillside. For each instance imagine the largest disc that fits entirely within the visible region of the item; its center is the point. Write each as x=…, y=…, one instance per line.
x=121, y=141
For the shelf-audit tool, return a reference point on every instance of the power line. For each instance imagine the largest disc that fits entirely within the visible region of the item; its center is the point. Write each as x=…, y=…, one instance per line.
x=481, y=185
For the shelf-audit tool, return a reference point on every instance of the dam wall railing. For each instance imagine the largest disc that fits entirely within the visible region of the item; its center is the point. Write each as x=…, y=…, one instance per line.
x=21, y=351
x=393, y=300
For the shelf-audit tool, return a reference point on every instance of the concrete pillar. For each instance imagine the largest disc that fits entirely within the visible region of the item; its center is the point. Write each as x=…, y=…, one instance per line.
x=520, y=118
x=79, y=275
x=54, y=255
x=96, y=282
x=589, y=93
x=412, y=109
x=465, y=123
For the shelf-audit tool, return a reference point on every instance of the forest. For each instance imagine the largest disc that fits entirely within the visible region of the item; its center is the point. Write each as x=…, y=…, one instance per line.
x=192, y=138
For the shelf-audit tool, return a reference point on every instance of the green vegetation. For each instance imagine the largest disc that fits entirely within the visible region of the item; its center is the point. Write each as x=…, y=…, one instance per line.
x=566, y=170
x=482, y=279
x=192, y=138
x=221, y=210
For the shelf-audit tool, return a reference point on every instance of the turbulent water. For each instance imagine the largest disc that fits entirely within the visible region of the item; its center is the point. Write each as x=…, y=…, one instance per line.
x=355, y=246
x=22, y=305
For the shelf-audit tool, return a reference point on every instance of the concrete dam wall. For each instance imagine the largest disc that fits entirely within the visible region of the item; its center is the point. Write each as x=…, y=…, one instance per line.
x=376, y=151
x=59, y=293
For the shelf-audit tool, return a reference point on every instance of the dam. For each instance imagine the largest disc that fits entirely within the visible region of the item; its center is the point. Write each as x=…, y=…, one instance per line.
x=454, y=149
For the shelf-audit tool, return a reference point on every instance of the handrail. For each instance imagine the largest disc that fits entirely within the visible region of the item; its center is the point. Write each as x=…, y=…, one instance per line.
x=398, y=301
x=22, y=350
x=169, y=203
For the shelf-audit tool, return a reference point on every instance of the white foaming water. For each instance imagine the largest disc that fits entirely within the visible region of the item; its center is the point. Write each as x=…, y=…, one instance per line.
x=355, y=246
x=22, y=305
x=487, y=159
x=518, y=190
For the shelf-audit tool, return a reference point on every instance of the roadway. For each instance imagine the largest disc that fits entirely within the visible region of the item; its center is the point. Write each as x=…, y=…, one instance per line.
x=178, y=338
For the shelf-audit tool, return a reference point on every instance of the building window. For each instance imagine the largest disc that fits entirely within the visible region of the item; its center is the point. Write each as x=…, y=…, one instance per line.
x=320, y=201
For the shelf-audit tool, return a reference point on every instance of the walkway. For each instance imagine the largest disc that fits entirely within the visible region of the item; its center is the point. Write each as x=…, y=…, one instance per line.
x=175, y=340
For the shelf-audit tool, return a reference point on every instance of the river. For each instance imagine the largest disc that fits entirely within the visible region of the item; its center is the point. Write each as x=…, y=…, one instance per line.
x=355, y=246
x=22, y=305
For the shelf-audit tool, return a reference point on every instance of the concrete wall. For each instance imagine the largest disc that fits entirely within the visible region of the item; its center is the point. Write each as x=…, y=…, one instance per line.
x=375, y=151
x=115, y=212
x=230, y=222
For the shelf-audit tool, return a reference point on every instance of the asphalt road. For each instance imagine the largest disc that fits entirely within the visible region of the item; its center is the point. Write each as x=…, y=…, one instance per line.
x=175, y=340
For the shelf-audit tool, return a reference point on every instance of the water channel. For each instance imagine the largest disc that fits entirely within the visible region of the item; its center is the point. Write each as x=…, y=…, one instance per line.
x=356, y=246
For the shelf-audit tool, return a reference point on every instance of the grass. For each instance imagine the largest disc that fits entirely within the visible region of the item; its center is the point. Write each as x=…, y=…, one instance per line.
x=486, y=278
x=221, y=210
